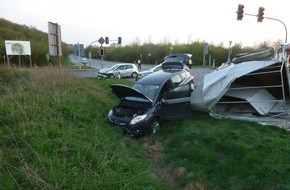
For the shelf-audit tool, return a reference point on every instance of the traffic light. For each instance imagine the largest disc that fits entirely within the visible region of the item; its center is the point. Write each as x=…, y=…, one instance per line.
x=240, y=12
x=119, y=40
x=260, y=14
x=107, y=40
x=101, y=51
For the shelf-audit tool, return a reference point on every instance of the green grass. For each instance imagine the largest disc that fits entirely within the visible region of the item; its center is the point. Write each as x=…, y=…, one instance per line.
x=54, y=134
x=227, y=154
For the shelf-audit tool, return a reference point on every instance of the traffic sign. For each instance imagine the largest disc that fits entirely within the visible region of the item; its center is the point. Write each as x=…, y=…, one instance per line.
x=101, y=40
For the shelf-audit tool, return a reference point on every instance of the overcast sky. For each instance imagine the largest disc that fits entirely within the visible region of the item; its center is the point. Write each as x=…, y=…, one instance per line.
x=157, y=21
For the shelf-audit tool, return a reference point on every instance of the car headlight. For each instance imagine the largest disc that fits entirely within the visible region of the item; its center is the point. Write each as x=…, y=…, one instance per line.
x=138, y=119
x=110, y=113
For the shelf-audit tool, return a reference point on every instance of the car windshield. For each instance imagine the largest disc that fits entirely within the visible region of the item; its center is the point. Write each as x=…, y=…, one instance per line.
x=113, y=67
x=148, y=90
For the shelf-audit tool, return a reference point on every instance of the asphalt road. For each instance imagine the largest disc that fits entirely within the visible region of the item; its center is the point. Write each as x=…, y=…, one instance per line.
x=197, y=72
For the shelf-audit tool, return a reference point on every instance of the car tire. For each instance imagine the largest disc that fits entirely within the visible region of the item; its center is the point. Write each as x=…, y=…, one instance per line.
x=154, y=126
x=134, y=75
x=111, y=76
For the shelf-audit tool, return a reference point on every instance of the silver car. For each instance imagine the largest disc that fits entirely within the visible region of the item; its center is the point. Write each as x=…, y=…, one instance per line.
x=84, y=61
x=120, y=70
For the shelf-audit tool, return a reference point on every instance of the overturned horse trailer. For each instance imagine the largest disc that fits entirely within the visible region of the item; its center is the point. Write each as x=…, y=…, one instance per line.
x=252, y=90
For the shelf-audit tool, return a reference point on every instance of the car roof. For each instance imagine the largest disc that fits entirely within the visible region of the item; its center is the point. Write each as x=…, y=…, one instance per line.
x=119, y=64
x=125, y=64
x=158, y=77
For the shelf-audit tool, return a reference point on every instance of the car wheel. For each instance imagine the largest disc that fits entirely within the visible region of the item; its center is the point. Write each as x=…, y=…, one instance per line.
x=111, y=76
x=154, y=126
x=134, y=75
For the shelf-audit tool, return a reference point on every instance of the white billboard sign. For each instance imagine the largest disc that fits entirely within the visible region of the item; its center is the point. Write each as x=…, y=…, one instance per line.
x=17, y=47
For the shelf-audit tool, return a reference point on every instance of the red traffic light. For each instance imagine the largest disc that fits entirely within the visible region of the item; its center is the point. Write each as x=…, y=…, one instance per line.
x=240, y=12
x=101, y=51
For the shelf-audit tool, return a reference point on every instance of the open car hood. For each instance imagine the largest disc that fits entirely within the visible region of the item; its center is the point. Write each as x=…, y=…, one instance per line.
x=123, y=91
x=104, y=70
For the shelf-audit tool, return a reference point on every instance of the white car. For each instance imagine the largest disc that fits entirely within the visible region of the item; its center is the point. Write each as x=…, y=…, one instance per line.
x=119, y=70
x=84, y=61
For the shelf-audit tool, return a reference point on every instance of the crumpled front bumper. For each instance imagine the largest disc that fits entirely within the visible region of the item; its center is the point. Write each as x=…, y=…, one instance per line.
x=102, y=75
x=132, y=131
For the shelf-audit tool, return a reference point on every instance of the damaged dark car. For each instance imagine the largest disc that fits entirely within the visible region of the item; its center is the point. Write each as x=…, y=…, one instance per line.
x=160, y=96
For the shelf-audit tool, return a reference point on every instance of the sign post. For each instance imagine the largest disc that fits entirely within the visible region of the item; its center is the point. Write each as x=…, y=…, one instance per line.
x=90, y=57
x=205, y=52
x=101, y=41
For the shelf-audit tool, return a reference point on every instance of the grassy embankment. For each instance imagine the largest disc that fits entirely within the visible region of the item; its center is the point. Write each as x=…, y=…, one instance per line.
x=54, y=134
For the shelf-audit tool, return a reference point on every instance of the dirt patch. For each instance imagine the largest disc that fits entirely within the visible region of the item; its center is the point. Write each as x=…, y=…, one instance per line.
x=179, y=172
x=153, y=150
x=193, y=186
x=170, y=175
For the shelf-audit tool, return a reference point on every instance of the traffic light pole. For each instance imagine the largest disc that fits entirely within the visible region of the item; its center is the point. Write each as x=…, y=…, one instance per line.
x=280, y=22
x=90, y=51
x=270, y=18
x=284, y=45
x=102, y=49
x=102, y=58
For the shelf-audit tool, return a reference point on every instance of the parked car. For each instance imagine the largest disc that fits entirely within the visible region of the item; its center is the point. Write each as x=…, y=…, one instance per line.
x=84, y=61
x=119, y=70
x=160, y=96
